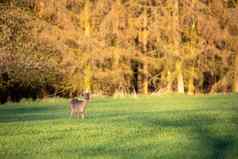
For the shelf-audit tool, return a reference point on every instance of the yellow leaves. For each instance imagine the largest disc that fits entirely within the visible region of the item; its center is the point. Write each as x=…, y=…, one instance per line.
x=85, y=18
x=100, y=40
x=143, y=37
x=189, y=51
x=87, y=78
x=235, y=80
x=39, y=7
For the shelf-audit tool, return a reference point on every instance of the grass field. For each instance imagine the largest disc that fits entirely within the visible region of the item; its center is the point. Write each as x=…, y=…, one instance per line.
x=164, y=127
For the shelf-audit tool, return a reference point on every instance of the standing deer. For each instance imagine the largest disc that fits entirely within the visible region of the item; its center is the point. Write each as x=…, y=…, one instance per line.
x=78, y=107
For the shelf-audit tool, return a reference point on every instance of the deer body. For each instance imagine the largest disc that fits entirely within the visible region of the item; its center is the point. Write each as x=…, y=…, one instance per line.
x=78, y=107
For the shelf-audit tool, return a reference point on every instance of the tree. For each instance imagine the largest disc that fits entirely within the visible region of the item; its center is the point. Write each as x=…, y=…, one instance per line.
x=122, y=46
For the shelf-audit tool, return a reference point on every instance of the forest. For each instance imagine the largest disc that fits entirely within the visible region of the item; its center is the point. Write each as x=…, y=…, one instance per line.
x=117, y=47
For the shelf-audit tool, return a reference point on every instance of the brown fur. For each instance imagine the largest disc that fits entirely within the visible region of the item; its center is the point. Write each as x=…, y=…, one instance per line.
x=78, y=107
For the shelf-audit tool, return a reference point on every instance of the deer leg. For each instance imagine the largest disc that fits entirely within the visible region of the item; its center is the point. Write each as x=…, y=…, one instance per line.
x=78, y=114
x=74, y=113
x=71, y=113
x=82, y=115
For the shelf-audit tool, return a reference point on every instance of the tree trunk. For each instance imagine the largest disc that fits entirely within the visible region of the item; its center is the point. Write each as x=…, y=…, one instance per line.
x=235, y=82
x=191, y=88
x=87, y=78
x=12, y=3
x=180, y=82
x=116, y=17
x=87, y=25
x=169, y=82
x=143, y=38
x=176, y=40
x=116, y=68
x=145, y=78
x=175, y=24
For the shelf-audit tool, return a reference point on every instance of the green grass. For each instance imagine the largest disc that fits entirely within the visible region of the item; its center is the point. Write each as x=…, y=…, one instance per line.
x=164, y=127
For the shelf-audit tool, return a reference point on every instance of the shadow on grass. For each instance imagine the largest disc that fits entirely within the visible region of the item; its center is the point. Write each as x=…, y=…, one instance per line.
x=217, y=135
x=15, y=114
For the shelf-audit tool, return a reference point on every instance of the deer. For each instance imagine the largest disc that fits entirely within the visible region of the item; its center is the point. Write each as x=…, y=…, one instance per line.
x=78, y=107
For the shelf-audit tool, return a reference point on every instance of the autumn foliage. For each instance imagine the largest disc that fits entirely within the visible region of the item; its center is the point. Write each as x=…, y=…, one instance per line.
x=66, y=47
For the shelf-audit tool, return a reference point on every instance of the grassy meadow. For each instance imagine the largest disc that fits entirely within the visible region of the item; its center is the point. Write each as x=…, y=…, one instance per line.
x=164, y=127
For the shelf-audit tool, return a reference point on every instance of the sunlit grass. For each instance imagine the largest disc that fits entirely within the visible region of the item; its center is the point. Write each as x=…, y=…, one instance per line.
x=173, y=127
